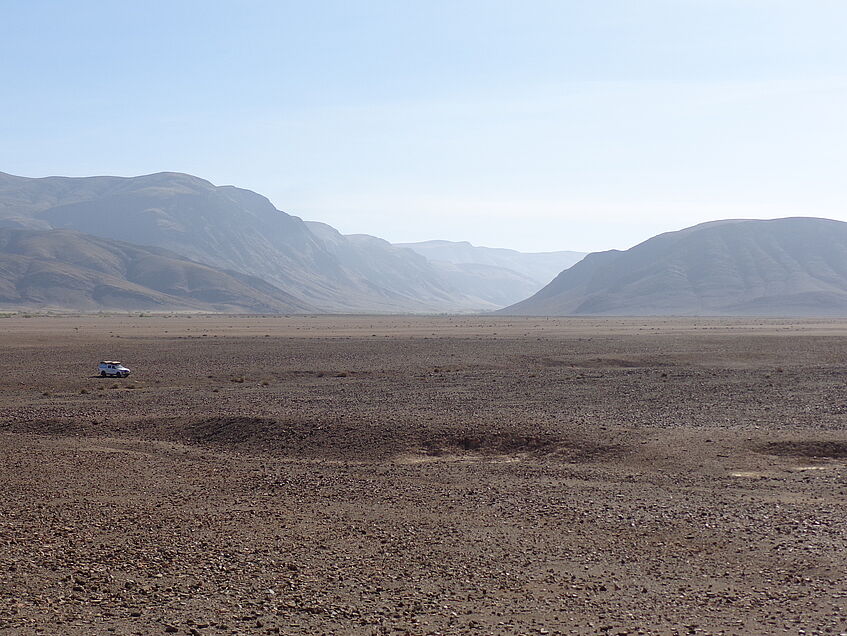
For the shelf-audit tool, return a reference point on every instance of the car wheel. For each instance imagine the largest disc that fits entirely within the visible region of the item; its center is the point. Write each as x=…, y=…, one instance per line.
x=102, y=374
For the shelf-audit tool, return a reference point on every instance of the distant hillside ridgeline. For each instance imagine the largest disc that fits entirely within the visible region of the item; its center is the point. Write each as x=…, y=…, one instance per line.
x=791, y=266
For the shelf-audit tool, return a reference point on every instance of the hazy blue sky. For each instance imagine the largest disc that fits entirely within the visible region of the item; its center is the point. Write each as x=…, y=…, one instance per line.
x=538, y=125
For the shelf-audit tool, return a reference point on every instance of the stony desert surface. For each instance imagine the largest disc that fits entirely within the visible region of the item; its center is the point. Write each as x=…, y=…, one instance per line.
x=405, y=475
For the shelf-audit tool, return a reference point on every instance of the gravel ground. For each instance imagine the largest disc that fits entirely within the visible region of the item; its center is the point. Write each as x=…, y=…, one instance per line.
x=402, y=475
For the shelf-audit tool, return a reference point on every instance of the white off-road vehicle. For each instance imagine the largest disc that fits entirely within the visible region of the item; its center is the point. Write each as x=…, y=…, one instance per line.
x=114, y=369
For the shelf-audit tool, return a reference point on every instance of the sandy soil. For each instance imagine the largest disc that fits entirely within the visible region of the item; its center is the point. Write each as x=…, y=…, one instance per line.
x=377, y=475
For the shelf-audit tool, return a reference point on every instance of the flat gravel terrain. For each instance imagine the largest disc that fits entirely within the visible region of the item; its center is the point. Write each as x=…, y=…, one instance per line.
x=405, y=475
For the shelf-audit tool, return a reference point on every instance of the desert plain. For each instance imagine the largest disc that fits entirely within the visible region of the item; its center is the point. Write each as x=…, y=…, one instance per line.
x=423, y=475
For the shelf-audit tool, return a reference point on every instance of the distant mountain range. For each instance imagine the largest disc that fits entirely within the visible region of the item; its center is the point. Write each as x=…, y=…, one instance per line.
x=229, y=230
x=792, y=266
x=171, y=241
x=515, y=275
